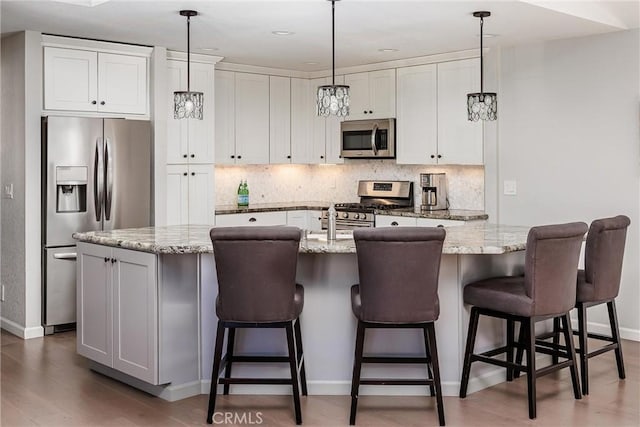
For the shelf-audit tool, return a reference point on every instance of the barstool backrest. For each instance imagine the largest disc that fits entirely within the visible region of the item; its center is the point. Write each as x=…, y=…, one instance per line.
x=256, y=269
x=551, y=266
x=399, y=269
x=603, y=255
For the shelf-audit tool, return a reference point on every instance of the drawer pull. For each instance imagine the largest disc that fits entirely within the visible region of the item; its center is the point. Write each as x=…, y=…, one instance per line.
x=252, y=219
x=394, y=224
x=65, y=255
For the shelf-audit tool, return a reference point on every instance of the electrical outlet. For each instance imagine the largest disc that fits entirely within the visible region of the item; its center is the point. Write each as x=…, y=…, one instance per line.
x=510, y=188
x=2, y=293
x=8, y=192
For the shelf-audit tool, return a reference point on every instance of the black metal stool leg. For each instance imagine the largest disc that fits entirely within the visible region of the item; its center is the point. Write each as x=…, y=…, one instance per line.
x=529, y=326
x=294, y=372
x=431, y=331
x=432, y=390
x=217, y=355
x=510, y=328
x=571, y=351
x=300, y=353
x=231, y=338
x=357, y=367
x=584, y=348
x=615, y=333
x=471, y=340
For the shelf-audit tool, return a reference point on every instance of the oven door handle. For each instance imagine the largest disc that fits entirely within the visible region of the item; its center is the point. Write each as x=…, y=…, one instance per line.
x=374, y=147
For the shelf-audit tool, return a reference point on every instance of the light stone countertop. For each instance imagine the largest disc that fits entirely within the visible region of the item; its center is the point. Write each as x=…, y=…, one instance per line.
x=474, y=238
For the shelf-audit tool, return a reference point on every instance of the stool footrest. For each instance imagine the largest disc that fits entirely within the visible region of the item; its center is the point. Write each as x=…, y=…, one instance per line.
x=494, y=352
x=379, y=359
x=551, y=368
x=254, y=381
x=259, y=359
x=392, y=381
x=497, y=362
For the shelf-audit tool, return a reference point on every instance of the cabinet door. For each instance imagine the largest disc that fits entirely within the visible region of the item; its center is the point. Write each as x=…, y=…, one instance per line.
x=382, y=94
x=318, y=125
x=135, y=306
x=70, y=79
x=201, y=132
x=257, y=218
x=416, y=127
x=298, y=219
x=225, y=125
x=326, y=131
x=279, y=119
x=94, y=303
x=122, y=84
x=177, y=194
x=302, y=112
x=395, y=221
x=252, y=118
x=359, y=103
x=314, y=220
x=177, y=130
x=201, y=194
x=431, y=222
x=459, y=140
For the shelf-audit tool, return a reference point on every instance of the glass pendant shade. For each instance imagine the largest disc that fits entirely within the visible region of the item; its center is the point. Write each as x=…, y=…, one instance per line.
x=482, y=105
x=333, y=99
x=188, y=104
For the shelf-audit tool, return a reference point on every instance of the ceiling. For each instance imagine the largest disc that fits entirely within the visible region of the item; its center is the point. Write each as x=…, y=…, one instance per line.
x=241, y=31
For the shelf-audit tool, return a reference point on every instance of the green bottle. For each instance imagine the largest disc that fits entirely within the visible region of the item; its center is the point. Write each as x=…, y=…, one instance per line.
x=243, y=194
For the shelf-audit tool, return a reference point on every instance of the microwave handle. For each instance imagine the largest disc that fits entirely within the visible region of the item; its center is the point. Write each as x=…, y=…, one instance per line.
x=373, y=139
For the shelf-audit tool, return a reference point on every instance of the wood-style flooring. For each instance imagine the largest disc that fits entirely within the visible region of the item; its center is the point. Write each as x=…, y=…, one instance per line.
x=45, y=383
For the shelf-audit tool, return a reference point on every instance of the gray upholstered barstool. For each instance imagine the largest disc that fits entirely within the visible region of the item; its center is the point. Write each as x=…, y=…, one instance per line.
x=547, y=290
x=256, y=268
x=401, y=292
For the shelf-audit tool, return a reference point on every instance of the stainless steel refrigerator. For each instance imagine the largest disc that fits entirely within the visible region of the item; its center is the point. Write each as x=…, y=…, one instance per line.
x=96, y=175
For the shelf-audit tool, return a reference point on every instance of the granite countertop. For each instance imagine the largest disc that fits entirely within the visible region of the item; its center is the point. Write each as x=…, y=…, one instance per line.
x=478, y=238
x=453, y=214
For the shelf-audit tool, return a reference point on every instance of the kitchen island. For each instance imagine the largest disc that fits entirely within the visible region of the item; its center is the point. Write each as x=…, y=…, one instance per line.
x=146, y=314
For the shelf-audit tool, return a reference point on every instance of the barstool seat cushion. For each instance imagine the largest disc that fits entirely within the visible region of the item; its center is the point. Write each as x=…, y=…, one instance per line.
x=505, y=294
x=298, y=303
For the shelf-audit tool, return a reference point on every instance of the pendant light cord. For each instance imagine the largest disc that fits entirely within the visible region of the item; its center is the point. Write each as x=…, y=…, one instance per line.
x=481, y=60
x=188, y=53
x=333, y=42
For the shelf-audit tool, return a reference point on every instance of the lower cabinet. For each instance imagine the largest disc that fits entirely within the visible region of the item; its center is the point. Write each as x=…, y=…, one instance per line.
x=407, y=221
x=251, y=219
x=305, y=220
x=117, y=303
x=190, y=194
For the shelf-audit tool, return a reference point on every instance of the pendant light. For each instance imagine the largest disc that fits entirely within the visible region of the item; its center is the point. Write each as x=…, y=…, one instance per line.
x=333, y=99
x=188, y=105
x=482, y=105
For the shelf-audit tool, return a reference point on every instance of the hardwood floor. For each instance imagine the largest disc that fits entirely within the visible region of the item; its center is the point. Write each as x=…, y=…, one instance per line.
x=45, y=383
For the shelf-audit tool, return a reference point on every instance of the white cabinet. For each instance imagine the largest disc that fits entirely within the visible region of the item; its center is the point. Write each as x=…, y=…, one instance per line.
x=190, y=194
x=85, y=80
x=117, y=309
x=432, y=126
x=325, y=131
x=395, y=221
x=190, y=140
x=305, y=219
x=242, y=115
x=431, y=222
x=302, y=112
x=372, y=94
x=279, y=119
x=251, y=219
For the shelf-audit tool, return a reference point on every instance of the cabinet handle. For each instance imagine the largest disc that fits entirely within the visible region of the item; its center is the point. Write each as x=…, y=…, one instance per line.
x=370, y=112
x=252, y=219
x=102, y=102
x=106, y=259
x=439, y=156
x=433, y=156
x=94, y=102
x=239, y=157
x=184, y=155
x=113, y=260
x=233, y=157
x=322, y=157
x=394, y=224
x=365, y=111
x=184, y=173
x=193, y=155
x=440, y=226
x=288, y=157
x=193, y=174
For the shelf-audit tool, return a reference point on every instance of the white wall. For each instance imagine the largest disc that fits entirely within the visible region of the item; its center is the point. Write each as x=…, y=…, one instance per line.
x=568, y=133
x=20, y=151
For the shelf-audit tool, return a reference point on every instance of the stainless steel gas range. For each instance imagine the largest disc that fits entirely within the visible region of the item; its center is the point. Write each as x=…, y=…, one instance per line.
x=374, y=195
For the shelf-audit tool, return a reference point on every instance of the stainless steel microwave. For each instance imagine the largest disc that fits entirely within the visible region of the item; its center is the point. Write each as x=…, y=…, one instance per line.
x=367, y=139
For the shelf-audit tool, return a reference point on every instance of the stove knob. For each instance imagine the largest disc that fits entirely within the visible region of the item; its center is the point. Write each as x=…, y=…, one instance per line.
x=345, y=215
x=363, y=216
x=356, y=216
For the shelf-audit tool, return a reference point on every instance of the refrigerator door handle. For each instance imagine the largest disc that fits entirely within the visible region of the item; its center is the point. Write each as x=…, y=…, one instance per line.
x=98, y=176
x=108, y=188
x=66, y=255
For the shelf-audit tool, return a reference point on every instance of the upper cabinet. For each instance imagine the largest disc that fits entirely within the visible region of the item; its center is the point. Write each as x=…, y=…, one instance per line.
x=432, y=126
x=242, y=118
x=325, y=131
x=188, y=140
x=91, y=81
x=279, y=119
x=372, y=94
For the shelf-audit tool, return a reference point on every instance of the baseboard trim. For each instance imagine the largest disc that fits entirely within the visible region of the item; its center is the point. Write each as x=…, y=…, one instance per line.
x=605, y=329
x=21, y=331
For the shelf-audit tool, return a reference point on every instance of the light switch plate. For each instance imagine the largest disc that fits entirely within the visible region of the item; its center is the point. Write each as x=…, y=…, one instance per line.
x=510, y=188
x=7, y=192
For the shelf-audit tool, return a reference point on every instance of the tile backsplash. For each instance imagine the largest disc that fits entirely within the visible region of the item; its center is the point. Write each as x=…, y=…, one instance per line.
x=339, y=183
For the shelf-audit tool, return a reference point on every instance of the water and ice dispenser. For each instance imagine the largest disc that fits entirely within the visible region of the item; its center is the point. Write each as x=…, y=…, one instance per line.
x=71, y=188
